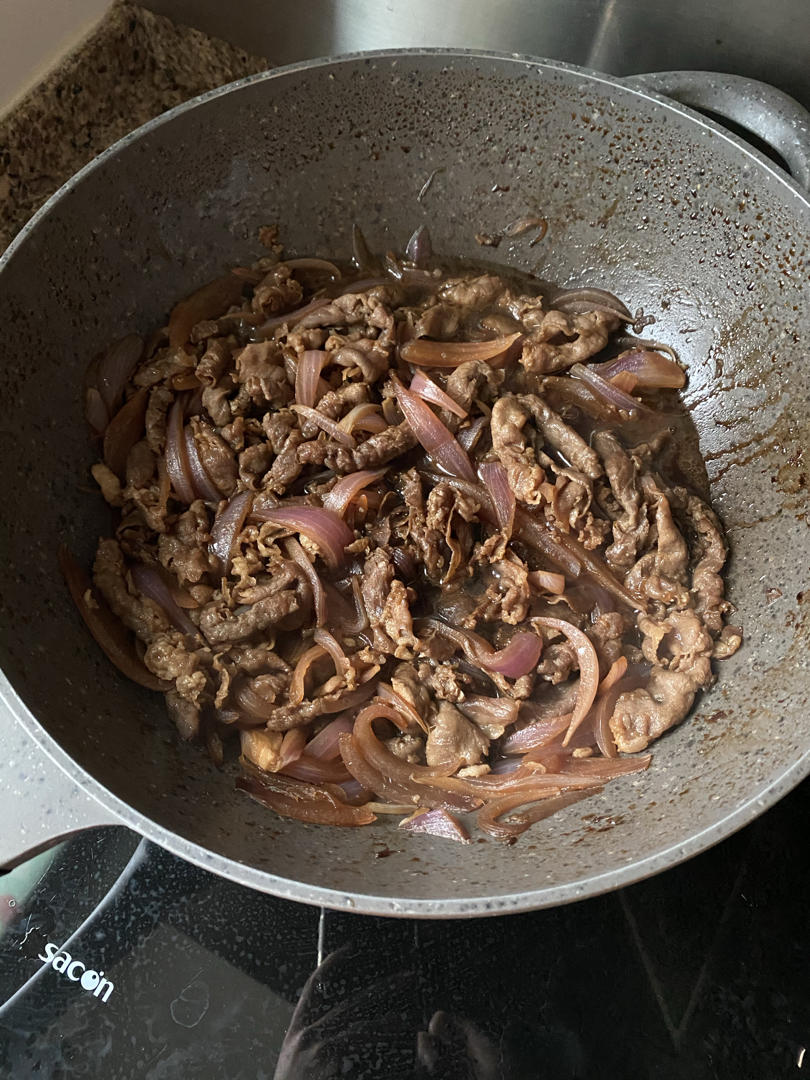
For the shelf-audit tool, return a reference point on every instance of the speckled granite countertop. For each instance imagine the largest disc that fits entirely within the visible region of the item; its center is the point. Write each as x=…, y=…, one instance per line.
x=134, y=66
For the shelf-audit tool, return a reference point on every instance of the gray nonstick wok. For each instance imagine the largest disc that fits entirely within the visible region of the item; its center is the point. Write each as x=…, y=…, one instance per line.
x=643, y=197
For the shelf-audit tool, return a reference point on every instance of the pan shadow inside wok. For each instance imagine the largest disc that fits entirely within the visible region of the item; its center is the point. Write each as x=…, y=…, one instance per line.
x=640, y=199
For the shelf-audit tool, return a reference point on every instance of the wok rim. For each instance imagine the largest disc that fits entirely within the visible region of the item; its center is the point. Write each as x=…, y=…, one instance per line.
x=366, y=903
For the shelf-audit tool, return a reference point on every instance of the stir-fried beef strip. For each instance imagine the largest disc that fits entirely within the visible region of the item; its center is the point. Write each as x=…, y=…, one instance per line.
x=411, y=539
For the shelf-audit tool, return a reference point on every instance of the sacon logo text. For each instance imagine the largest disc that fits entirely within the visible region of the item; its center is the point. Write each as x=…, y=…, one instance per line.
x=91, y=981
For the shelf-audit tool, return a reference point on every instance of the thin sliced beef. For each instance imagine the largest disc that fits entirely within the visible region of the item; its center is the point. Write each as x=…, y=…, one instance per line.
x=376, y=450
x=426, y=544
x=510, y=414
x=184, y=551
x=216, y=456
x=407, y=683
x=643, y=715
x=278, y=291
x=472, y=293
x=473, y=380
x=641, y=560
x=631, y=528
x=261, y=377
x=278, y=600
x=562, y=340
x=385, y=600
x=454, y=739
x=680, y=648
x=571, y=507
x=214, y=362
x=143, y=617
x=707, y=584
x=507, y=597
x=526, y=477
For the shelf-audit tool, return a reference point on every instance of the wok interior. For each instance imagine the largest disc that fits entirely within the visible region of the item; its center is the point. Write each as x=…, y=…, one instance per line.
x=671, y=217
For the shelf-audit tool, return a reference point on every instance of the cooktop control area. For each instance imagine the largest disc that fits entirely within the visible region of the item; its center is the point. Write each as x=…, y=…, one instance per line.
x=119, y=960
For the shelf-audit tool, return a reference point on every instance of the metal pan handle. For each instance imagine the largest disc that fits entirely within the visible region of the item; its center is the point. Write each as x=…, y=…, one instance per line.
x=40, y=804
x=775, y=117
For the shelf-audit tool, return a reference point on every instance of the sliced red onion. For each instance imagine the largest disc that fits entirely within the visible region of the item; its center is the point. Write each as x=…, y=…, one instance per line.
x=516, y=659
x=298, y=555
x=523, y=224
x=325, y=745
x=95, y=410
x=538, y=805
x=547, y=581
x=573, y=301
x=323, y=527
x=436, y=823
x=404, y=563
x=419, y=248
x=600, y=717
x=115, y=369
x=292, y=746
x=204, y=486
x=109, y=632
x=388, y=694
x=302, y=801
x=468, y=436
x=632, y=342
x=505, y=765
x=347, y=487
x=177, y=464
x=307, y=376
x=371, y=423
x=649, y=368
x=427, y=390
x=123, y=431
x=520, y=656
x=227, y=526
x=625, y=380
x=317, y=770
x=206, y=303
x=354, y=792
x=437, y=440
x=535, y=735
x=365, y=416
x=330, y=643
x=607, y=391
x=314, y=264
x=361, y=621
x=403, y=775
x=297, y=689
x=361, y=254
x=617, y=671
x=363, y=285
x=449, y=354
x=588, y=668
x=325, y=423
x=496, y=480
x=598, y=768
x=150, y=584
x=291, y=318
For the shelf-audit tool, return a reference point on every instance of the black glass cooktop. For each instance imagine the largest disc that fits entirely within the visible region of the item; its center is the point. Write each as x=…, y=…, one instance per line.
x=124, y=962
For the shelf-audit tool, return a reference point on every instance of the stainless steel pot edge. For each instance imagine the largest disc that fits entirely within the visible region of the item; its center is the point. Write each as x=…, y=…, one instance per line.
x=83, y=802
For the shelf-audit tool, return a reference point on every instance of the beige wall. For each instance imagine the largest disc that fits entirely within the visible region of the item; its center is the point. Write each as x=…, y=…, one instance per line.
x=34, y=34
